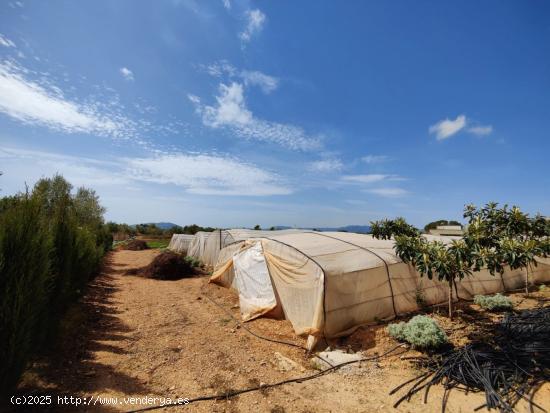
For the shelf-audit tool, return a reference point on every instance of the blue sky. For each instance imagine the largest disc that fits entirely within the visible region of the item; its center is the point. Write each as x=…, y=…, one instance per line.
x=236, y=113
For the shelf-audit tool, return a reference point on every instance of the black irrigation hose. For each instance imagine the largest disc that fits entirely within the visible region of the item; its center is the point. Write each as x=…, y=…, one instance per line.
x=271, y=385
x=241, y=324
x=511, y=368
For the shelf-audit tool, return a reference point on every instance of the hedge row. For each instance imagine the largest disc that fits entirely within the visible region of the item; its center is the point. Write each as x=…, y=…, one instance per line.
x=51, y=244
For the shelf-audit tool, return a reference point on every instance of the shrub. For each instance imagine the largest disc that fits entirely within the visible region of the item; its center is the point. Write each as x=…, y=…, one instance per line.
x=194, y=262
x=421, y=332
x=51, y=244
x=543, y=288
x=493, y=302
x=25, y=275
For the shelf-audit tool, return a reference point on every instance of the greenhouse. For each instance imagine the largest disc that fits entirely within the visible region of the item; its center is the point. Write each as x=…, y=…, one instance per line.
x=329, y=283
x=180, y=242
x=221, y=238
x=197, y=245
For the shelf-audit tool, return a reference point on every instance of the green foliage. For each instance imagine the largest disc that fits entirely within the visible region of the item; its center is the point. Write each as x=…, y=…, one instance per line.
x=126, y=231
x=257, y=227
x=388, y=228
x=51, y=244
x=25, y=277
x=194, y=262
x=421, y=332
x=193, y=229
x=543, y=288
x=506, y=236
x=493, y=302
x=435, y=224
x=447, y=262
x=161, y=243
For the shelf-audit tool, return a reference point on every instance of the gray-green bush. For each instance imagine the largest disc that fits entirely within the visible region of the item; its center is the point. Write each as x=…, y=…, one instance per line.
x=420, y=331
x=50, y=247
x=493, y=302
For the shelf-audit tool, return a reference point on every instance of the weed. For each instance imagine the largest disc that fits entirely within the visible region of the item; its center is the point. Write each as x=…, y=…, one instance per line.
x=493, y=302
x=421, y=332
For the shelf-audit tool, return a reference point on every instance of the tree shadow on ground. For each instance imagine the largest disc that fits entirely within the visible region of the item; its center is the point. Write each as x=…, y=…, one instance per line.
x=69, y=366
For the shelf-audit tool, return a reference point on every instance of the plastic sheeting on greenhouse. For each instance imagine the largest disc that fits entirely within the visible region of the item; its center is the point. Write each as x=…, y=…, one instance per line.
x=180, y=242
x=197, y=245
x=221, y=238
x=329, y=283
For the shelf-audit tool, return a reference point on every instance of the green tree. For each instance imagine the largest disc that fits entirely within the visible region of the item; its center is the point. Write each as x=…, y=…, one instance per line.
x=89, y=211
x=435, y=224
x=388, y=228
x=448, y=262
x=506, y=237
x=257, y=227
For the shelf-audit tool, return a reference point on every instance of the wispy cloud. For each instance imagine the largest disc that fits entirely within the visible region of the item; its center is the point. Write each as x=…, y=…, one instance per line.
x=34, y=99
x=31, y=165
x=4, y=41
x=481, y=130
x=193, y=173
x=370, y=159
x=255, y=20
x=32, y=103
x=326, y=165
x=225, y=69
x=207, y=175
x=231, y=112
x=388, y=192
x=446, y=128
x=255, y=78
x=227, y=4
x=127, y=73
x=370, y=178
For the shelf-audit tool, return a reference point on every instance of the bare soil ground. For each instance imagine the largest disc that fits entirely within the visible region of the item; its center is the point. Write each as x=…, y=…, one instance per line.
x=133, y=336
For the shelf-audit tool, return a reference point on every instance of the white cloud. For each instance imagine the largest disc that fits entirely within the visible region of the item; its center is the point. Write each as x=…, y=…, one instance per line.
x=195, y=173
x=267, y=83
x=35, y=104
x=370, y=159
x=4, y=41
x=326, y=165
x=481, y=130
x=231, y=109
x=227, y=4
x=127, y=73
x=220, y=68
x=29, y=166
x=446, y=128
x=370, y=178
x=207, y=175
x=250, y=77
x=255, y=22
x=231, y=112
x=388, y=192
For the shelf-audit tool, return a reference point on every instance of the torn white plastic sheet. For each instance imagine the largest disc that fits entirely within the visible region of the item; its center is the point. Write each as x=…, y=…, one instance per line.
x=256, y=295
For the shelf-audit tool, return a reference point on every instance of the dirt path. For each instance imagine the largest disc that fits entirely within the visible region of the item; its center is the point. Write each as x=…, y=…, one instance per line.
x=136, y=337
